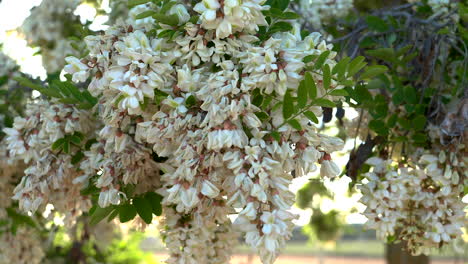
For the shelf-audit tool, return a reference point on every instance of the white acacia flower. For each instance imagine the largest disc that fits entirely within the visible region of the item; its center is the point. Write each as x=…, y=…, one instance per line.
x=189, y=197
x=249, y=211
x=209, y=189
x=79, y=70
x=329, y=169
x=106, y=198
x=176, y=103
x=181, y=12
x=207, y=9
x=130, y=100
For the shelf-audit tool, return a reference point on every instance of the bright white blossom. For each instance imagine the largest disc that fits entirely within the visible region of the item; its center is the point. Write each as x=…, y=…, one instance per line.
x=49, y=175
x=213, y=167
x=421, y=199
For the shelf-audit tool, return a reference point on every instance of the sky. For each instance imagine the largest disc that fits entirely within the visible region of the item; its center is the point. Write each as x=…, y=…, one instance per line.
x=12, y=14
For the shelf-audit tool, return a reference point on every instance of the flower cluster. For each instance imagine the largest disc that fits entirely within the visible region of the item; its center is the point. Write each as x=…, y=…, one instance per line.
x=47, y=28
x=23, y=246
x=144, y=23
x=318, y=12
x=420, y=201
x=228, y=17
x=50, y=175
x=189, y=100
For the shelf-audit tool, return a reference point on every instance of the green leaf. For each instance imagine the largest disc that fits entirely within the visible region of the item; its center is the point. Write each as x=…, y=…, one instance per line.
x=410, y=95
x=99, y=214
x=145, y=103
x=276, y=135
x=391, y=122
x=145, y=14
x=375, y=84
x=339, y=92
x=309, y=58
x=321, y=59
x=73, y=89
x=190, y=101
x=20, y=219
x=403, y=50
x=90, y=190
x=27, y=83
x=398, y=96
x=288, y=105
x=3, y=80
x=404, y=123
x=386, y=54
x=278, y=14
x=75, y=140
x=310, y=84
x=301, y=95
x=126, y=213
x=340, y=67
x=155, y=201
x=419, y=122
x=378, y=126
x=326, y=76
x=257, y=100
x=262, y=116
x=391, y=239
x=58, y=144
x=289, y=15
x=279, y=4
x=132, y=3
x=165, y=33
x=171, y=20
x=373, y=71
x=266, y=102
x=68, y=101
x=194, y=19
x=295, y=124
x=281, y=26
x=77, y=158
x=312, y=117
x=66, y=147
x=89, y=143
x=376, y=23
x=143, y=208
x=356, y=65
x=419, y=138
x=79, y=135
x=113, y=215
x=167, y=6
x=324, y=102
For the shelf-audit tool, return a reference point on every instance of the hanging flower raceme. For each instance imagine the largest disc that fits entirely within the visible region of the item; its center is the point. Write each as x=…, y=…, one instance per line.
x=46, y=141
x=420, y=201
x=22, y=246
x=188, y=95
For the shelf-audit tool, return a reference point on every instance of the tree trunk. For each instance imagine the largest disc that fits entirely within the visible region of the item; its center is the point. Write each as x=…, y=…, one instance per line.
x=396, y=254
